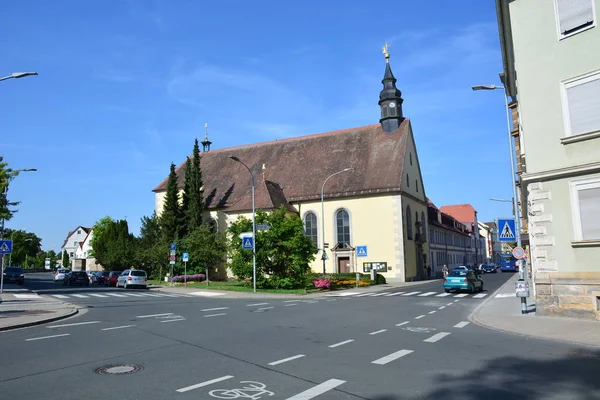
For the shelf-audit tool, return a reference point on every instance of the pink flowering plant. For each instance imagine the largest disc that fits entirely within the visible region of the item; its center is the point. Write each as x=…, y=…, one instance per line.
x=190, y=278
x=322, y=283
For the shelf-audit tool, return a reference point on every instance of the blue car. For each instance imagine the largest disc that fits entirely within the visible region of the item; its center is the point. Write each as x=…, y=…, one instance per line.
x=463, y=279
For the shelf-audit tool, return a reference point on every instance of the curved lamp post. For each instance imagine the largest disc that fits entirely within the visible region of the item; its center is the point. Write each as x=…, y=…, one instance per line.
x=17, y=75
x=4, y=194
x=324, y=256
x=234, y=158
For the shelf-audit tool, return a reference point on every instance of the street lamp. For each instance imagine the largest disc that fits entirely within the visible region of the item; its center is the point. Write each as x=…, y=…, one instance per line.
x=324, y=256
x=516, y=211
x=234, y=158
x=17, y=75
x=4, y=195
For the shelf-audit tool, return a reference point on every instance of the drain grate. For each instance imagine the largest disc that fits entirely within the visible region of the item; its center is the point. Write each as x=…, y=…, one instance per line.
x=119, y=369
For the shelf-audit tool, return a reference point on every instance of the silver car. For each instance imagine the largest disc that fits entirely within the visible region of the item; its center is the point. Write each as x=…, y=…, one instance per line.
x=132, y=278
x=60, y=273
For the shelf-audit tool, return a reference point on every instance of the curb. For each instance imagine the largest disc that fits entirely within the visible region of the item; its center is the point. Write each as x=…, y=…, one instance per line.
x=40, y=322
x=473, y=317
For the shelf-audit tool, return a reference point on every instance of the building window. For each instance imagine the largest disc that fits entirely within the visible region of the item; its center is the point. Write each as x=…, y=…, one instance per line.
x=410, y=158
x=573, y=16
x=581, y=104
x=72, y=254
x=407, y=181
x=343, y=228
x=384, y=111
x=417, y=185
x=409, y=230
x=75, y=243
x=310, y=228
x=79, y=231
x=585, y=203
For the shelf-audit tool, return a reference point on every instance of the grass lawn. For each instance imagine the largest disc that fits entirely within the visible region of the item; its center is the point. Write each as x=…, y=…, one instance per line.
x=235, y=287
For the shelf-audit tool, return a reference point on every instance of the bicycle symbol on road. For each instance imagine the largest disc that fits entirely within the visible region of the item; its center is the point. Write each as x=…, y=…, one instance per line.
x=251, y=390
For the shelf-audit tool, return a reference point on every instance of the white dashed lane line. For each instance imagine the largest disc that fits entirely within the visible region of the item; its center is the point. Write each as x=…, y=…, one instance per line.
x=431, y=312
x=436, y=337
x=378, y=332
x=214, y=315
x=317, y=390
x=257, y=304
x=173, y=320
x=47, y=337
x=215, y=309
x=202, y=384
x=419, y=317
x=154, y=315
x=391, y=357
x=441, y=308
x=118, y=327
x=461, y=324
x=342, y=343
x=76, y=324
x=403, y=323
x=287, y=359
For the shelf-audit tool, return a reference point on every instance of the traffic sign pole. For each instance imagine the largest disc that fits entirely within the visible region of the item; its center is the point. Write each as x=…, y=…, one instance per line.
x=185, y=274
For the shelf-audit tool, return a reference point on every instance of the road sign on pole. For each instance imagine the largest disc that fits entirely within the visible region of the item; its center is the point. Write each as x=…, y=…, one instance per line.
x=247, y=243
x=506, y=230
x=173, y=246
x=263, y=227
x=185, y=257
x=518, y=252
x=6, y=246
x=361, y=251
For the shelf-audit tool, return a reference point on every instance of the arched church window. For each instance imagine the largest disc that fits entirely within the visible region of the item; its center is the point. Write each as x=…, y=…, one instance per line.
x=343, y=228
x=409, y=231
x=310, y=228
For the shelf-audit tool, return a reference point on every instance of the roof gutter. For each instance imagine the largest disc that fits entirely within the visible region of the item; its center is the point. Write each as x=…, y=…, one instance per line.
x=508, y=75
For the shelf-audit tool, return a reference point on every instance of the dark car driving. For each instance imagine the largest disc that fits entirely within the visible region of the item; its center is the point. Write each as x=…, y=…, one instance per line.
x=14, y=274
x=77, y=278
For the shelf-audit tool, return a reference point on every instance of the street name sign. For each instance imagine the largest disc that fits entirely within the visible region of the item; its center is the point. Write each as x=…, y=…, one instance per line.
x=263, y=227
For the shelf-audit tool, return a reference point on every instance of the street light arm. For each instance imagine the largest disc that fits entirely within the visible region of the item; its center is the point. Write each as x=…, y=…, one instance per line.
x=331, y=176
x=17, y=75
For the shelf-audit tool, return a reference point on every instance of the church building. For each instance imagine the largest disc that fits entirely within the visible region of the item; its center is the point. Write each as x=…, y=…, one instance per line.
x=359, y=191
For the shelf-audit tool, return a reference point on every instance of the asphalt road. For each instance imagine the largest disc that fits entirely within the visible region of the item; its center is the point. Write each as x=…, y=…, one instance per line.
x=389, y=346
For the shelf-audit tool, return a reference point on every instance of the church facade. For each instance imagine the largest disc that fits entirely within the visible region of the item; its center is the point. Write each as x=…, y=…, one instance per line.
x=359, y=191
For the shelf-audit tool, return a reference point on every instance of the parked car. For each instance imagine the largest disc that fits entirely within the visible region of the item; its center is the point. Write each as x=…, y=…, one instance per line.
x=131, y=278
x=101, y=277
x=112, y=278
x=460, y=279
x=60, y=273
x=76, y=278
x=91, y=275
x=14, y=274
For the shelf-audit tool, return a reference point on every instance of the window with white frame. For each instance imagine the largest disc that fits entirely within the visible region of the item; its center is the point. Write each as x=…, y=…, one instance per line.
x=573, y=16
x=310, y=228
x=585, y=203
x=582, y=102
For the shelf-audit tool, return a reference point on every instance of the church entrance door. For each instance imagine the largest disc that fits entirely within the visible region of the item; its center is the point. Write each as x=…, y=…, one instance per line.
x=343, y=265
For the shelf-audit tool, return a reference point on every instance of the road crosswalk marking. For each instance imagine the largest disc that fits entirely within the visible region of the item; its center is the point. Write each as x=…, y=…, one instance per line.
x=443, y=294
x=427, y=294
x=393, y=294
x=462, y=295
x=60, y=296
x=410, y=293
x=97, y=295
x=480, y=295
x=81, y=296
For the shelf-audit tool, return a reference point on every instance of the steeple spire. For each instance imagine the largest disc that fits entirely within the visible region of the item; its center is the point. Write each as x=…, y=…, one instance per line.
x=390, y=98
x=206, y=143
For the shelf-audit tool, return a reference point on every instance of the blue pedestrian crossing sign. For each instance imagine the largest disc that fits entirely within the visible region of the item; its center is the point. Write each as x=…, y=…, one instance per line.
x=5, y=246
x=247, y=243
x=173, y=246
x=361, y=251
x=506, y=230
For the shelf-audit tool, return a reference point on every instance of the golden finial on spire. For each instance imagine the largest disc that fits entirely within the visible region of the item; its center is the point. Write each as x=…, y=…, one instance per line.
x=384, y=50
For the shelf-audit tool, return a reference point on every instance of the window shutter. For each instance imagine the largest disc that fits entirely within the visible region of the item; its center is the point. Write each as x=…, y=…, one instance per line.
x=584, y=106
x=573, y=14
x=589, y=212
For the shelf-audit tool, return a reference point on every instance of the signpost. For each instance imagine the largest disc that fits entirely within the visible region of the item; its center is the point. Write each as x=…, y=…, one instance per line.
x=5, y=248
x=506, y=230
x=47, y=263
x=247, y=243
x=185, y=258
x=361, y=251
x=172, y=257
x=518, y=252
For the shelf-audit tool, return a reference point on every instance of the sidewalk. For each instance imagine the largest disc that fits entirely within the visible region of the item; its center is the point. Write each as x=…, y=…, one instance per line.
x=502, y=311
x=20, y=308
x=391, y=284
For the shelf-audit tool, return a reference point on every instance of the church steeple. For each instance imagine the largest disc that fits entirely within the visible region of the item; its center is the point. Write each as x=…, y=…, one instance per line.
x=206, y=143
x=390, y=98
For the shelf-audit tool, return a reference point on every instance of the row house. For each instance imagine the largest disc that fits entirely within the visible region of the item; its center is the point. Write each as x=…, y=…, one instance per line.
x=449, y=241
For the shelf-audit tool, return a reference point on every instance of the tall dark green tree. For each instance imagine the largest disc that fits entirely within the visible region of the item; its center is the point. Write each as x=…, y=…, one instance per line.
x=152, y=248
x=115, y=246
x=65, y=259
x=196, y=206
x=170, y=217
x=185, y=199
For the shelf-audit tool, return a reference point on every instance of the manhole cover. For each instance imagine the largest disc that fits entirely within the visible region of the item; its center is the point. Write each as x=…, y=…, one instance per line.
x=119, y=369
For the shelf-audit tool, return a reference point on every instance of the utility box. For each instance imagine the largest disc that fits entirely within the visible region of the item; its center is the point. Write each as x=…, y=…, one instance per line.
x=522, y=288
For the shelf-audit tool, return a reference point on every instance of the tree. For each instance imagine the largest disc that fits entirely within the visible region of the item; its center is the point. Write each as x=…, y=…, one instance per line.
x=65, y=259
x=115, y=246
x=170, y=216
x=152, y=249
x=196, y=206
x=6, y=175
x=99, y=229
x=283, y=251
x=184, y=224
x=207, y=249
x=26, y=247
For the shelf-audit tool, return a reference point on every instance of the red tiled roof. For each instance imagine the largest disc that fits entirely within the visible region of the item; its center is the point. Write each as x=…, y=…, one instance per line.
x=296, y=168
x=464, y=213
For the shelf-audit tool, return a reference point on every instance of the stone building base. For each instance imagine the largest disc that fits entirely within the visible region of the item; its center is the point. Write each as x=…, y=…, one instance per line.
x=568, y=294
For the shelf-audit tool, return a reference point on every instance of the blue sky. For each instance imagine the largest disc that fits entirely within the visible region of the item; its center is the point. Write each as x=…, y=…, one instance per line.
x=125, y=86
